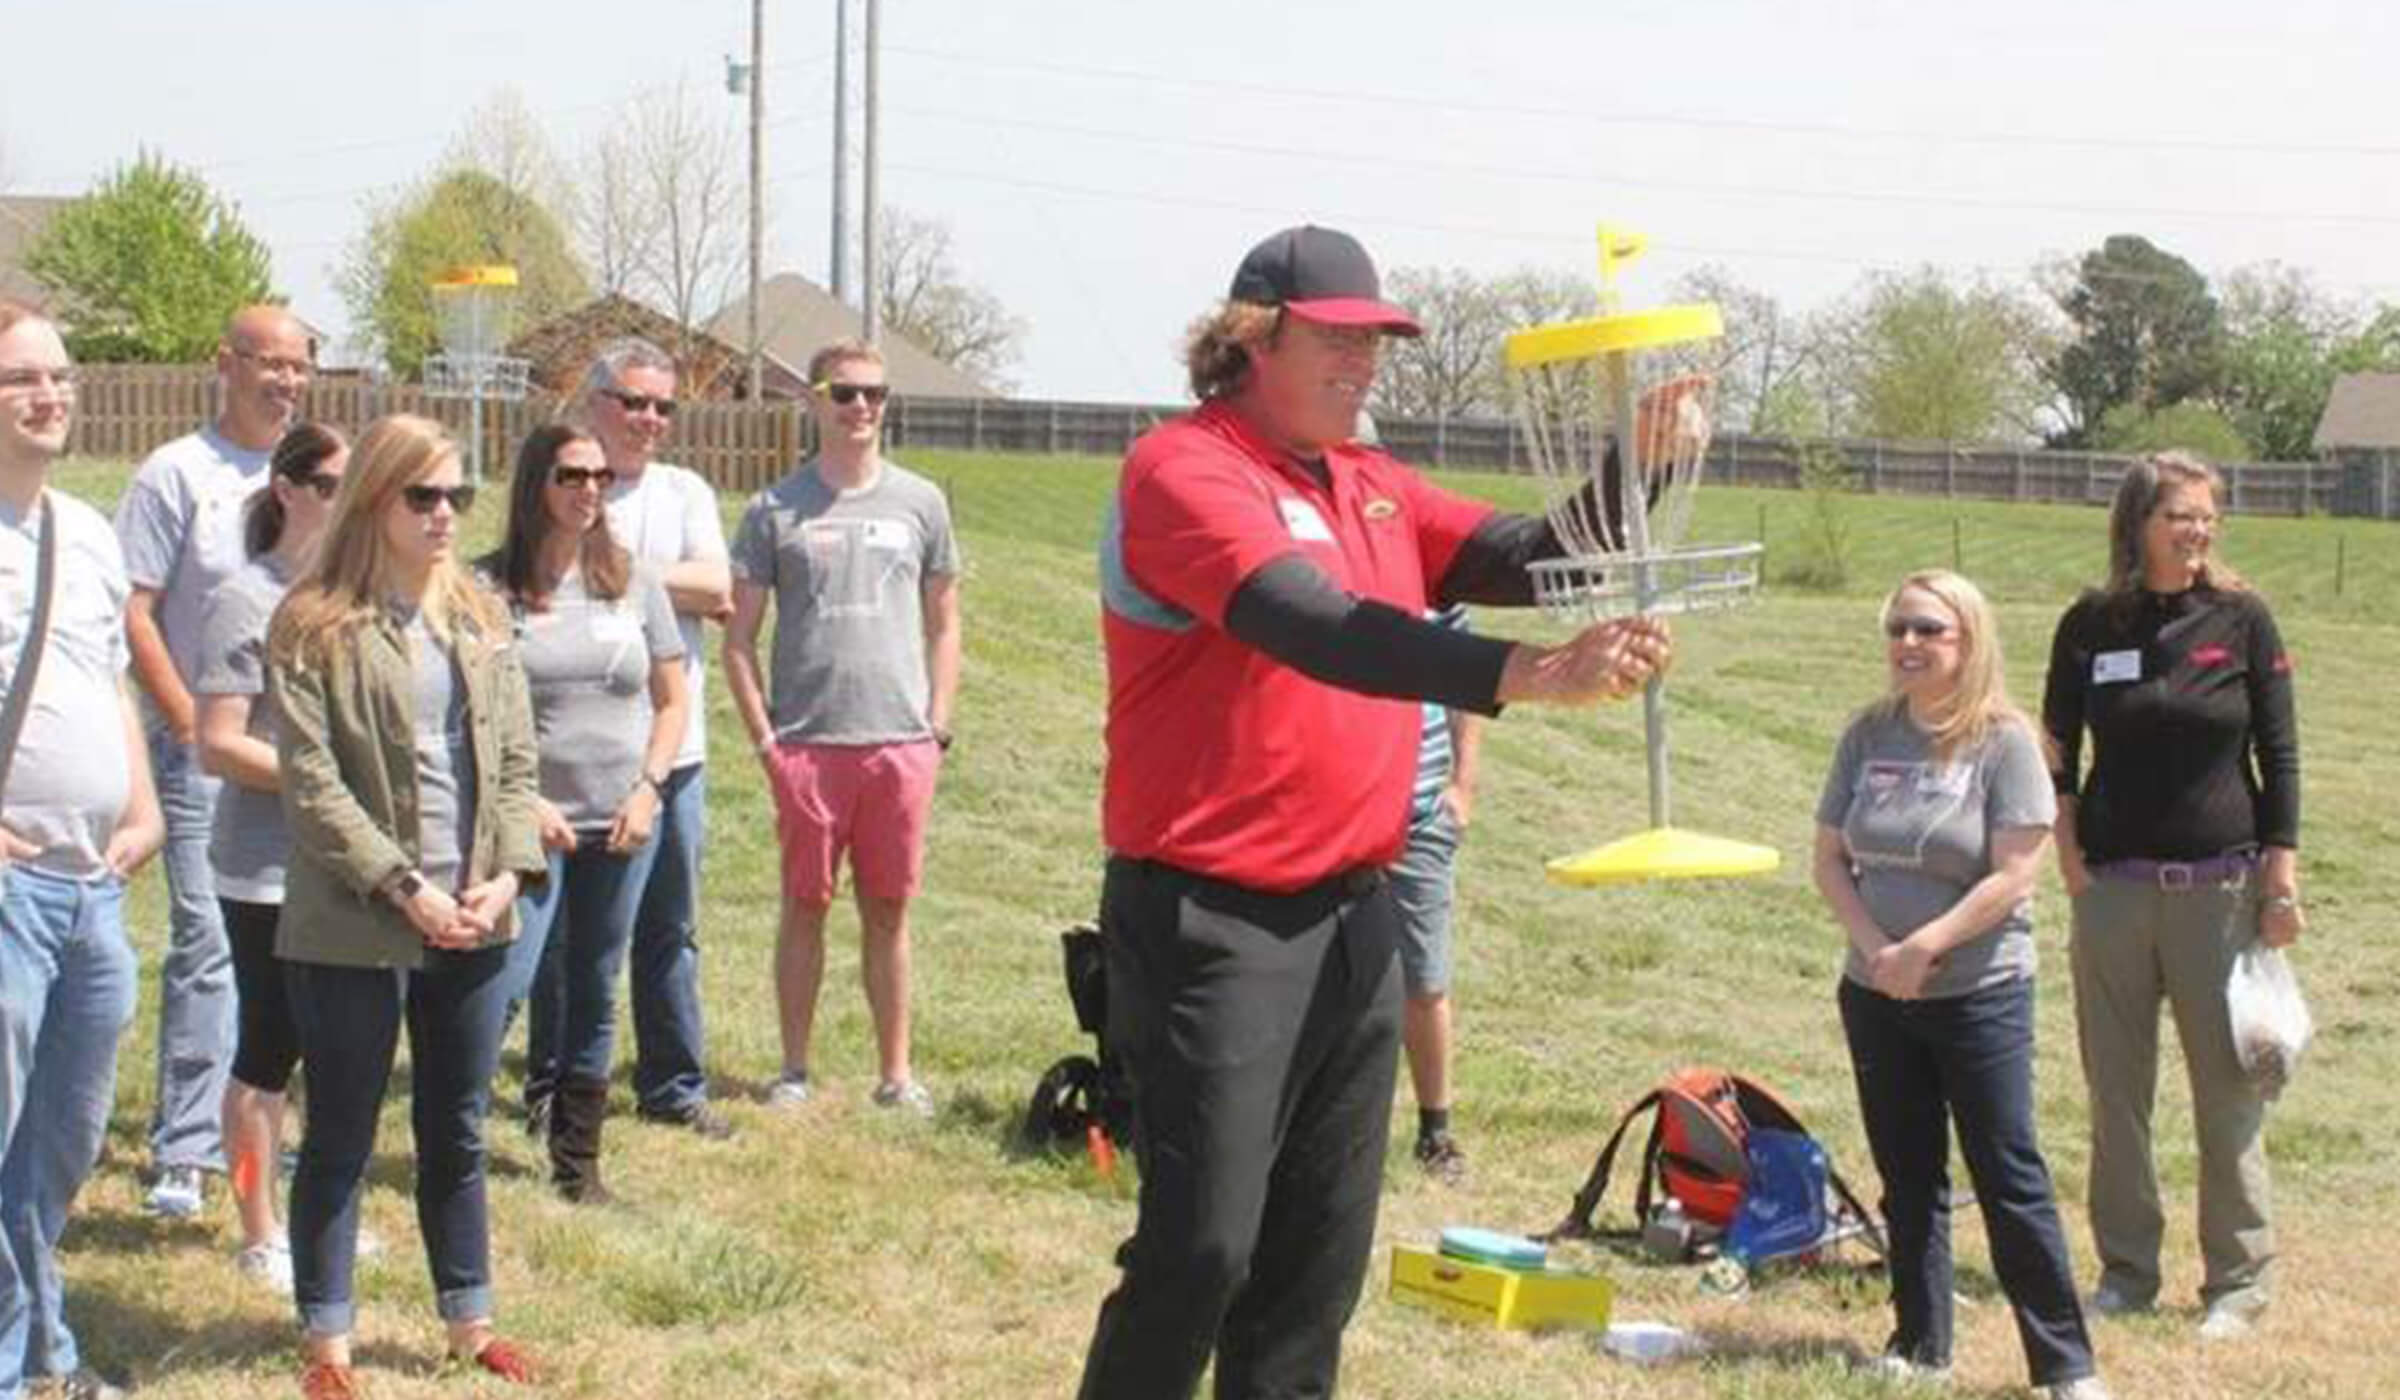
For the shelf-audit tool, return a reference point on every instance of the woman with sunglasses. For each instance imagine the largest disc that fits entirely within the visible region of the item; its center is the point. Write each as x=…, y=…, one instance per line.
x=2179, y=846
x=408, y=772
x=604, y=659
x=1929, y=835
x=237, y=730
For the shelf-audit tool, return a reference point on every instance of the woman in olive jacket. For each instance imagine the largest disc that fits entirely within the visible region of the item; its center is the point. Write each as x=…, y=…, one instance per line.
x=409, y=781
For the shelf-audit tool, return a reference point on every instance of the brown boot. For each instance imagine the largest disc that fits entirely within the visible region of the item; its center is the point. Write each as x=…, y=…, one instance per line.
x=576, y=1111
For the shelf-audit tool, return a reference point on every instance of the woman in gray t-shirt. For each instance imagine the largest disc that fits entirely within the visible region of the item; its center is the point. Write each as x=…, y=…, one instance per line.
x=603, y=658
x=1929, y=833
x=237, y=735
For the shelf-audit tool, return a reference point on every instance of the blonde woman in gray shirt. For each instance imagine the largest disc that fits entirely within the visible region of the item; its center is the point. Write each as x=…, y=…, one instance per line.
x=1929, y=833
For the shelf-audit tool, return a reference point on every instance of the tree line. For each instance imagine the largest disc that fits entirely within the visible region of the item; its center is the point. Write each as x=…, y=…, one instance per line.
x=150, y=263
x=2127, y=347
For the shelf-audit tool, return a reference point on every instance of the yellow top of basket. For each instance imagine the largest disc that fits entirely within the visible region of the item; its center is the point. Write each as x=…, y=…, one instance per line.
x=478, y=275
x=1623, y=331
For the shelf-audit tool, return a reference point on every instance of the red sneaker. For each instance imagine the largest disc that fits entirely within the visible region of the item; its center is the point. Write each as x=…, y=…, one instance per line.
x=507, y=1360
x=323, y=1380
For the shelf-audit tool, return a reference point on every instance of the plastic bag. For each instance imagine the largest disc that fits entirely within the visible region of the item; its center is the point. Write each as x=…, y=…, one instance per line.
x=2271, y=1024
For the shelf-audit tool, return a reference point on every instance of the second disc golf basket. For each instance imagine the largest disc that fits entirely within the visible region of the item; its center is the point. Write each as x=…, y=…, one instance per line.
x=473, y=310
x=1619, y=429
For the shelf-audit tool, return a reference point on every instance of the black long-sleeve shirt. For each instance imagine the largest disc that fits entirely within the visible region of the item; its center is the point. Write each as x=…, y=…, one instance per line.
x=2188, y=698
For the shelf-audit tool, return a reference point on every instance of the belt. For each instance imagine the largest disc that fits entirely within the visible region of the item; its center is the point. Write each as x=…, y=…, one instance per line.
x=2231, y=870
x=1353, y=882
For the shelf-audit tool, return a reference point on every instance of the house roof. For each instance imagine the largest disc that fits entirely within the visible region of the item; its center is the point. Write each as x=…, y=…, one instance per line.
x=797, y=318
x=22, y=217
x=2362, y=411
x=710, y=366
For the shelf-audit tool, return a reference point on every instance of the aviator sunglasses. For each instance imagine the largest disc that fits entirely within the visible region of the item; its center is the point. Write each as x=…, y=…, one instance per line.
x=422, y=499
x=851, y=393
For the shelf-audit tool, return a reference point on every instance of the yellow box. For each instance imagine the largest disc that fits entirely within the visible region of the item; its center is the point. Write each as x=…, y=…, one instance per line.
x=1498, y=1297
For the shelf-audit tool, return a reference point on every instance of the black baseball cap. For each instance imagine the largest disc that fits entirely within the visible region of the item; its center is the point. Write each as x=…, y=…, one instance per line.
x=1322, y=275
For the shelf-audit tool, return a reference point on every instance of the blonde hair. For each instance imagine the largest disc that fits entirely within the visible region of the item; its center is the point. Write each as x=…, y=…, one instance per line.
x=2140, y=492
x=1979, y=702
x=1216, y=350
x=352, y=575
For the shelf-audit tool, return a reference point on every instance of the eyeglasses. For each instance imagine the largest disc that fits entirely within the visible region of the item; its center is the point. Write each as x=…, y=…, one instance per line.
x=323, y=483
x=1924, y=629
x=852, y=393
x=641, y=403
x=422, y=499
x=576, y=478
x=276, y=364
x=63, y=379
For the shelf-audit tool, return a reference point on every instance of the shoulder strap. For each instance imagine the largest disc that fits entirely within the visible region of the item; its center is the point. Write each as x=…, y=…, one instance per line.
x=37, y=637
x=1578, y=1224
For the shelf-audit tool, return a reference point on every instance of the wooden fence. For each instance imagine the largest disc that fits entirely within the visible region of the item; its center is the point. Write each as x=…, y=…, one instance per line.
x=126, y=410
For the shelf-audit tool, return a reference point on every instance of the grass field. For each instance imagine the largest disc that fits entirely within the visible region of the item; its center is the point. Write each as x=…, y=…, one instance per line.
x=836, y=1252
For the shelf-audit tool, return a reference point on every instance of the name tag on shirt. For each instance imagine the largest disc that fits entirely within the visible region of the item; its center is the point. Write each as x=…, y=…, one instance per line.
x=1302, y=520
x=2116, y=667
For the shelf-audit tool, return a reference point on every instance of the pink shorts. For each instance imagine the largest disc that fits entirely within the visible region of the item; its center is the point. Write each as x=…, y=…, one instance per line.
x=868, y=799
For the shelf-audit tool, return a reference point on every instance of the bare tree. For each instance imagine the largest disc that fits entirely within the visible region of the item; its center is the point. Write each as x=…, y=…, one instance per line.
x=1453, y=369
x=688, y=189
x=609, y=217
x=503, y=139
x=1763, y=359
x=927, y=300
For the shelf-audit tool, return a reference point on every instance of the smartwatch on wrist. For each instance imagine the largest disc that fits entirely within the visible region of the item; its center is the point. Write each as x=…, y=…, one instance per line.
x=943, y=738
x=405, y=886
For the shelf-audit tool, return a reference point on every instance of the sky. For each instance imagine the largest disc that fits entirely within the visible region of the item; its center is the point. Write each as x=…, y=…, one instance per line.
x=1103, y=164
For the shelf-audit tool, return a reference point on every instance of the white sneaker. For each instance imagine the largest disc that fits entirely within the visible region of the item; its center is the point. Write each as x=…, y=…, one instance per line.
x=268, y=1265
x=176, y=1194
x=2081, y=1388
x=2228, y=1321
x=909, y=1095
x=1894, y=1369
x=789, y=1091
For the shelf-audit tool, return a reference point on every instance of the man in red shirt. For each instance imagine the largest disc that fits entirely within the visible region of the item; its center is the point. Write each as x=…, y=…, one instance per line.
x=1264, y=581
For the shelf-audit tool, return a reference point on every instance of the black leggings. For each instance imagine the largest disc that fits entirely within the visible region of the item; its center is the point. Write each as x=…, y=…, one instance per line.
x=269, y=1045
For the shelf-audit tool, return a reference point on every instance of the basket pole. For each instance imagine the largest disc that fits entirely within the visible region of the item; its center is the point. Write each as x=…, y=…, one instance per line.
x=1634, y=502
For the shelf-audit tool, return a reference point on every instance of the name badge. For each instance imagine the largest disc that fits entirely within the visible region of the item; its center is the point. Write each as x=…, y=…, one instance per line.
x=2116, y=667
x=1302, y=520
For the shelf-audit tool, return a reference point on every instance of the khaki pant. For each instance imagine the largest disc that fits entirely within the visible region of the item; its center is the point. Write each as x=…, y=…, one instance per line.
x=2133, y=944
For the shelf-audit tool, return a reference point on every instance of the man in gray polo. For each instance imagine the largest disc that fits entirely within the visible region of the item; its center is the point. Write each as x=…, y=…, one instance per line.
x=77, y=816
x=180, y=523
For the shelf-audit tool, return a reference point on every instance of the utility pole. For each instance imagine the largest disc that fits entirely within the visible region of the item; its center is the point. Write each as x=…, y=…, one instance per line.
x=841, y=150
x=870, y=298
x=758, y=193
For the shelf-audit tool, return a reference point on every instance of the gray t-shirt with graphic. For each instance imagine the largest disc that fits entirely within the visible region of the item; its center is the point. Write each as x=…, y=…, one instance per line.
x=848, y=569
x=180, y=521
x=250, y=842
x=1919, y=831
x=587, y=661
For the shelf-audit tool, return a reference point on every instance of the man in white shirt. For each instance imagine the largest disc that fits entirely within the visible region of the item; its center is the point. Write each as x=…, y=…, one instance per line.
x=180, y=523
x=77, y=816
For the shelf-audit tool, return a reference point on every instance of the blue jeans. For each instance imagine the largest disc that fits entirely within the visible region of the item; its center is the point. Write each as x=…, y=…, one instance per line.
x=349, y=1020
x=67, y=990
x=195, y=978
x=1974, y=1055
x=567, y=971
x=667, y=1036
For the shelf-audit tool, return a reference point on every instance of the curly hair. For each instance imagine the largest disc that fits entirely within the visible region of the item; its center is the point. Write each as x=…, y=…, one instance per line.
x=1216, y=350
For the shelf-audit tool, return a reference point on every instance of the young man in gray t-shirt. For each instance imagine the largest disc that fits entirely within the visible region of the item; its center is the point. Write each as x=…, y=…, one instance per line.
x=859, y=559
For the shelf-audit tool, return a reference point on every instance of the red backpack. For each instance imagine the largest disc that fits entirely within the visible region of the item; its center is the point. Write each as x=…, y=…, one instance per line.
x=1698, y=1152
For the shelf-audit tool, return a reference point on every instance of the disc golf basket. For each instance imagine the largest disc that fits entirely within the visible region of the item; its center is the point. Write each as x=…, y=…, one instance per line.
x=473, y=310
x=1618, y=425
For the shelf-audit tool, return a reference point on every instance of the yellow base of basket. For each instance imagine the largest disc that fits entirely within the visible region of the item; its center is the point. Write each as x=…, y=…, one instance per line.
x=1664, y=853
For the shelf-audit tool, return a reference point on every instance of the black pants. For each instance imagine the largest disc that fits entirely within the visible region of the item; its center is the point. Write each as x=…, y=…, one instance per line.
x=1262, y=1033
x=1974, y=1055
x=267, y=1044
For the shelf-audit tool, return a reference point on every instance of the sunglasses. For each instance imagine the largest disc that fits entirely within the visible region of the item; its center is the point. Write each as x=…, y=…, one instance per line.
x=852, y=393
x=422, y=499
x=640, y=403
x=1924, y=629
x=576, y=478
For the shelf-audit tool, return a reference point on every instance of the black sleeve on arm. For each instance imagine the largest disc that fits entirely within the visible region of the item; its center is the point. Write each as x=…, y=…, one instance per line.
x=1291, y=611
x=2274, y=733
x=1490, y=566
x=2062, y=706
